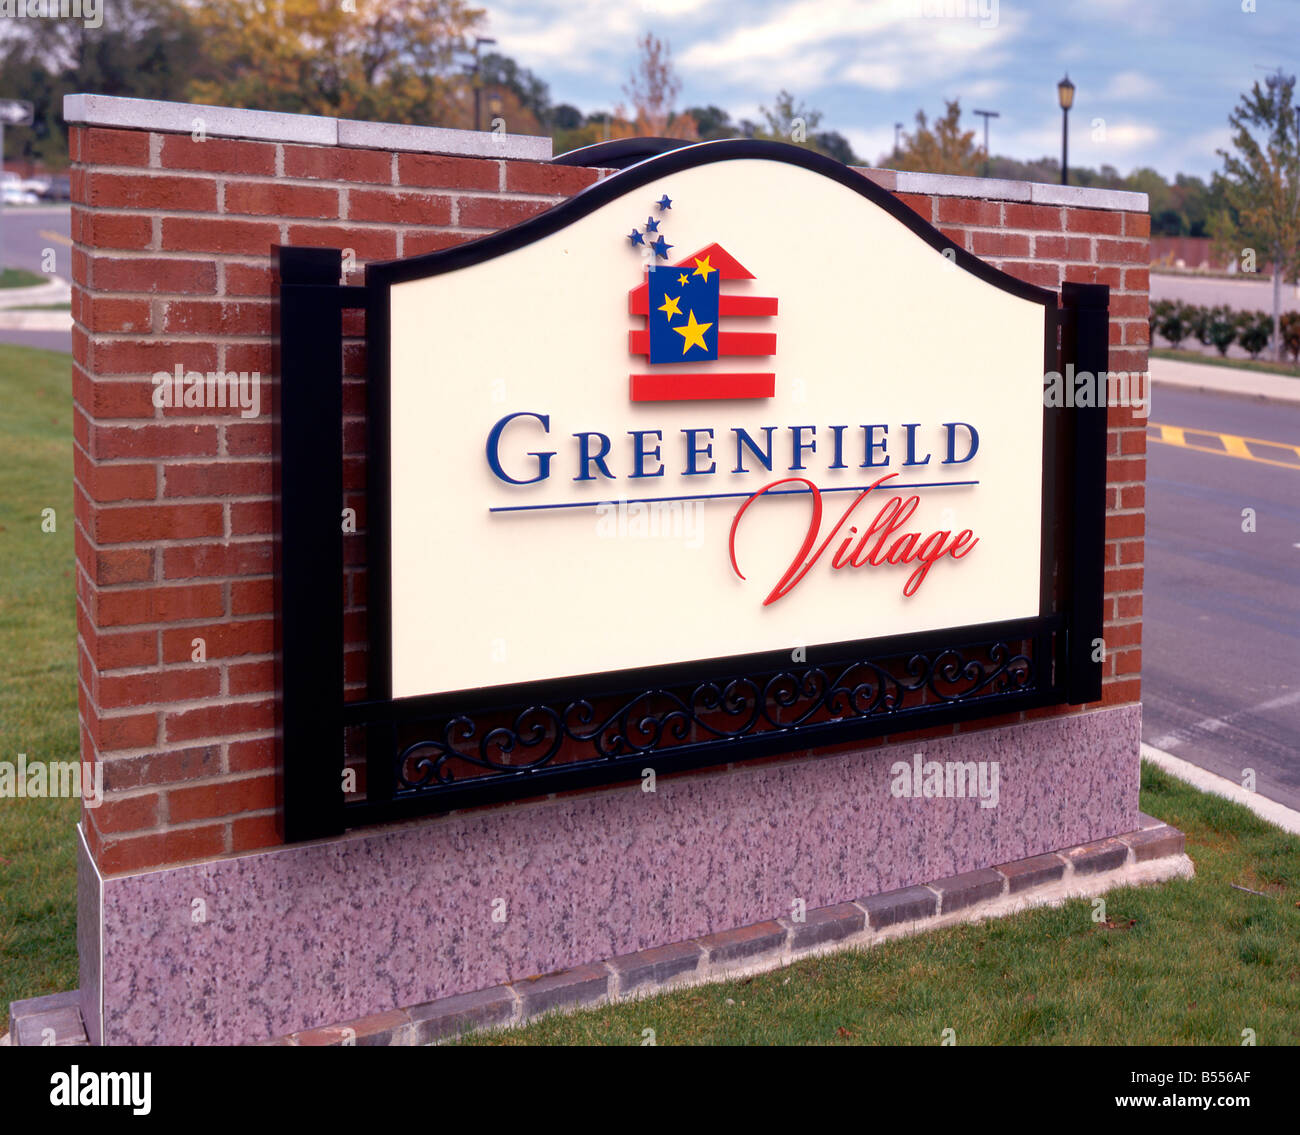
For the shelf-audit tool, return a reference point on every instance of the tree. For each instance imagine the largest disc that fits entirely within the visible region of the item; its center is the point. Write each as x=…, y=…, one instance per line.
x=946, y=148
x=1149, y=181
x=393, y=62
x=835, y=145
x=1261, y=181
x=531, y=94
x=788, y=121
x=712, y=122
x=565, y=117
x=149, y=50
x=652, y=89
x=791, y=121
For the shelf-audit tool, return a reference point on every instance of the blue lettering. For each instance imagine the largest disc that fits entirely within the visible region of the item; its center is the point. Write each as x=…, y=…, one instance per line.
x=494, y=442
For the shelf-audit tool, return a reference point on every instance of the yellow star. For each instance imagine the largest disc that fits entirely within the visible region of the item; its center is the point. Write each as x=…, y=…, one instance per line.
x=669, y=306
x=682, y=279
x=693, y=334
x=703, y=268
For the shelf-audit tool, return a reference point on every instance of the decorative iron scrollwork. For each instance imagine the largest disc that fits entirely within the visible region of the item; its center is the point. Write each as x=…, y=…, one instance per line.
x=658, y=720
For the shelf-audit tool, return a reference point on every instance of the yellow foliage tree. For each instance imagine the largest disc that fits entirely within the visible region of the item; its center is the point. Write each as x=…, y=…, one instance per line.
x=946, y=148
x=393, y=61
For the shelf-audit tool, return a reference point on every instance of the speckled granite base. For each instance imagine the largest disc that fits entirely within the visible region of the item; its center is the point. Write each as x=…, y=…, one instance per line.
x=301, y=936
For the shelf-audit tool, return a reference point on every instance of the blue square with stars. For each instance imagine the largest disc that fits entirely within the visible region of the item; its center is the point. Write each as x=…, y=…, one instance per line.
x=684, y=313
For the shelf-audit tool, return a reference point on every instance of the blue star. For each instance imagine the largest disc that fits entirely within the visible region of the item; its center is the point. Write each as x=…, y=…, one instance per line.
x=661, y=247
x=635, y=237
x=664, y=202
x=651, y=225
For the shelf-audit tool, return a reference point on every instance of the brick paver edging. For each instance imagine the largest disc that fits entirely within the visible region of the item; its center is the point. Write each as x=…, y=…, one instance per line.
x=1153, y=853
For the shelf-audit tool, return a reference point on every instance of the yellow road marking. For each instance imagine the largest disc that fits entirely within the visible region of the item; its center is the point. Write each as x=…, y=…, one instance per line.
x=1233, y=444
x=56, y=236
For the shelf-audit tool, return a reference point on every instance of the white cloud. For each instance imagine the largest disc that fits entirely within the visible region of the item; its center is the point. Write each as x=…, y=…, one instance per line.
x=871, y=144
x=983, y=89
x=1130, y=85
x=1127, y=136
x=877, y=76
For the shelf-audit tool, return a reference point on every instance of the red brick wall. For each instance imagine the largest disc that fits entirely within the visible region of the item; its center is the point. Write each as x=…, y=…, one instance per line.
x=171, y=265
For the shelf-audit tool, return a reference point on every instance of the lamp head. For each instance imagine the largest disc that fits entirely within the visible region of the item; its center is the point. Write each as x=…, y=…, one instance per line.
x=1065, y=91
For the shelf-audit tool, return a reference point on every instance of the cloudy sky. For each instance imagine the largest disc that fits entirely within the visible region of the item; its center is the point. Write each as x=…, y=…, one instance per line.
x=1156, y=78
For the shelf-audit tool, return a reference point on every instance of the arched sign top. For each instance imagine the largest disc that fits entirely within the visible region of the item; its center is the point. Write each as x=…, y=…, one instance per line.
x=731, y=453
x=655, y=169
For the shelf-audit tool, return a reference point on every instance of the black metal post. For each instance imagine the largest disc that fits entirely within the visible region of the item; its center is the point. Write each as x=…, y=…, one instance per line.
x=1065, y=145
x=309, y=547
x=1085, y=343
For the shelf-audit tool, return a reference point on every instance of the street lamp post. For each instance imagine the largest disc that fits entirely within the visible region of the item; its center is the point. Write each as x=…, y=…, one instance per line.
x=479, y=41
x=987, y=114
x=1065, y=92
x=898, y=153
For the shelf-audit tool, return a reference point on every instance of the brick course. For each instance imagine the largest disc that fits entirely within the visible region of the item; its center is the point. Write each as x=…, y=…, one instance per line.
x=171, y=265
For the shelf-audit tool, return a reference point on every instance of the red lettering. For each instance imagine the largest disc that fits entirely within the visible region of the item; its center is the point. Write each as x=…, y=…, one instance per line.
x=906, y=548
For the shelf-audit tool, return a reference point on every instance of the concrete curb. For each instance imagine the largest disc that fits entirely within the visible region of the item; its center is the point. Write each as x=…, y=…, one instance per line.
x=1230, y=382
x=56, y=290
x=1285, y=818
x=35, y=320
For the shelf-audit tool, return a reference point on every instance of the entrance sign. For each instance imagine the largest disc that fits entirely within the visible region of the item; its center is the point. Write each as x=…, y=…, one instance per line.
x=771, y=469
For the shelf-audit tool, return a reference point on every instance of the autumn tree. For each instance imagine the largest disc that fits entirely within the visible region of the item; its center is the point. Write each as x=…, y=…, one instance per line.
x=395, y=61
x=1261, y=182
x=652, y=91
x=945, y=148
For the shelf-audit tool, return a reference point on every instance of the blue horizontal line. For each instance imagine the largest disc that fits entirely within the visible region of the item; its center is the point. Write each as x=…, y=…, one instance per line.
x=722, y=496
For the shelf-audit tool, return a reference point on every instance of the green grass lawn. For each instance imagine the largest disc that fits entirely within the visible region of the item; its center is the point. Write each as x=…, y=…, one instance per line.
x=21, y=278
x=1184, y=356
x=38, y=678
x=1200, y=962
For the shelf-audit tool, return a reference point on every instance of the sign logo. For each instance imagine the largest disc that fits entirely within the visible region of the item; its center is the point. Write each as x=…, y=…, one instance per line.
x=689, y=320
x=889, y=485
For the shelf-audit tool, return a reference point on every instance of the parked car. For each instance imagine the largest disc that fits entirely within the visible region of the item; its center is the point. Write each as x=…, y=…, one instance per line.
x=59, y=189
x=15, y=194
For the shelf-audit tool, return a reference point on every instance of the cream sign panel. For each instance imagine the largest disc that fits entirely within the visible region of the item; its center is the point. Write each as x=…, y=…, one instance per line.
x=741, y=408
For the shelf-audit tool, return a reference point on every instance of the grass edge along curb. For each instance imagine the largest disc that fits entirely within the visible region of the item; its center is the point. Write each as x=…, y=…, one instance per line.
x=1283, y=369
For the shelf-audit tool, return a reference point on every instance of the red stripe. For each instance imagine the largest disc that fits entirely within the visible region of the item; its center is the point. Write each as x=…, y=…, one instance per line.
x=730, y=343
x=727, y=305
x=692, y=387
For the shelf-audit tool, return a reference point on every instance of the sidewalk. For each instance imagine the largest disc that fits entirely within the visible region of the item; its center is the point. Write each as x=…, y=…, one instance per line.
x=57, y=290
x=1232, y=381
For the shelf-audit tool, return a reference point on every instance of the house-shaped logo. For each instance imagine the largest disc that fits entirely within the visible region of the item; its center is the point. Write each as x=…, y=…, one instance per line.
x=689, y=320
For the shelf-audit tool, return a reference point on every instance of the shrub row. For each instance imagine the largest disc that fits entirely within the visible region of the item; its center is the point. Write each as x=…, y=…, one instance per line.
x=1221, y=326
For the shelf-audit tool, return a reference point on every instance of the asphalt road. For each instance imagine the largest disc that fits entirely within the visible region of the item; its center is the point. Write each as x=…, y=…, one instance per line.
x=29, y=230
x=1221, y=628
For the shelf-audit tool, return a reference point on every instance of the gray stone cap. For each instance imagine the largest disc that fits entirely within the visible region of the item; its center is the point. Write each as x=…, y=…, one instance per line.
x=315, y=130
x=999, y=189
x=308, y=129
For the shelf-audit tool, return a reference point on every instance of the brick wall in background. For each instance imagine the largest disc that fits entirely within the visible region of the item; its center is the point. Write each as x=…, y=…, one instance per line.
x=171, y=266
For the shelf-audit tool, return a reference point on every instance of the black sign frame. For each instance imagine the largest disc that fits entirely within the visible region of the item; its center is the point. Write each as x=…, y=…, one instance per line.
x=313, y=715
